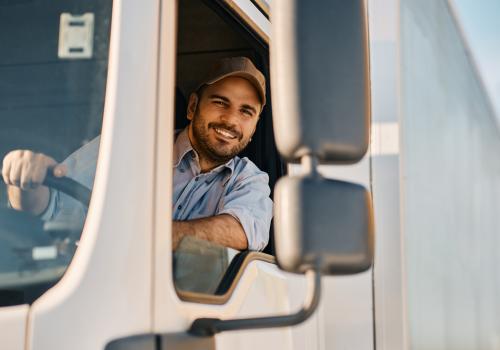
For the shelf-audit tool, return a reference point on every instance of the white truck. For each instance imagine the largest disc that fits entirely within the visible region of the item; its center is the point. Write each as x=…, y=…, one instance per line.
x=404, y=228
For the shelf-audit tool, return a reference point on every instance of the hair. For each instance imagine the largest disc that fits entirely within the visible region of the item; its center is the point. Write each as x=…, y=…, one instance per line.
x=199, y=94
x=200, y=90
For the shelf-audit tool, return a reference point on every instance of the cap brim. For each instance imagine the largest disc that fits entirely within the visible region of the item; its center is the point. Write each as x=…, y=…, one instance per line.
x=244, y=75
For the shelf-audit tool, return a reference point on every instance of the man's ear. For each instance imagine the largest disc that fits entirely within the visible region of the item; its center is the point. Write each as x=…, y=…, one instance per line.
x=192, y=104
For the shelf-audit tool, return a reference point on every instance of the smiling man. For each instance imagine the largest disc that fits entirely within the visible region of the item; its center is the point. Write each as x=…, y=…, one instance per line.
x=218, y=196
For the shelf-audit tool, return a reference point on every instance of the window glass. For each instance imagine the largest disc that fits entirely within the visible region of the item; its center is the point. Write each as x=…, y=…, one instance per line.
x=53, y=67
x=200, y=265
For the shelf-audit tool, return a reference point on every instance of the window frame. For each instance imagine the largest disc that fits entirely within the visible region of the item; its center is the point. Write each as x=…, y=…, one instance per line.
x=235, y=14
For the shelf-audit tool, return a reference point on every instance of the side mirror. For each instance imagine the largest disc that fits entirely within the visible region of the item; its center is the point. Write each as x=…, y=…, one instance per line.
x=321, y=107
x=323, y=225
x=320, y=79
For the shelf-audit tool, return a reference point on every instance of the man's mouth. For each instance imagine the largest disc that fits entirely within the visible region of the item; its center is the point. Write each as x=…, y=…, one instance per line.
x=226, y=133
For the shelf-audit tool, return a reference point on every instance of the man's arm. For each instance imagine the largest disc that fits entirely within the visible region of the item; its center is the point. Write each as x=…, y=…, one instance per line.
x=222, y=229
x=248, y=202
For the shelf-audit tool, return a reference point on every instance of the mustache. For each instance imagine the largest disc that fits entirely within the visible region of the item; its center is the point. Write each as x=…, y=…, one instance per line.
x=227, y=127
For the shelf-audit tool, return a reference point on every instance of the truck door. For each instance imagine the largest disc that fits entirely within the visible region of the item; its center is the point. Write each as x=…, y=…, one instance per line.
x=71, y=70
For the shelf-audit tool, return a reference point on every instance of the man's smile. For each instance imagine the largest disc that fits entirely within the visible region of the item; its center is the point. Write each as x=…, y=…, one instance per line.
x=225, y=133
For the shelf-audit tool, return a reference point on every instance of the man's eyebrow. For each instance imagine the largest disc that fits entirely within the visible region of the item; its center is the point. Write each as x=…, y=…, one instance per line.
x=225, y=99
x=219, y=97
x=250, y=108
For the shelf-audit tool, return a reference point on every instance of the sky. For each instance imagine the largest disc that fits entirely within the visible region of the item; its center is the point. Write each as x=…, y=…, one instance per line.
x=480, y=20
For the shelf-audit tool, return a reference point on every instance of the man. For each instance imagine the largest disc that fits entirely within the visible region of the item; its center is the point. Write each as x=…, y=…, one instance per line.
x=217, y=197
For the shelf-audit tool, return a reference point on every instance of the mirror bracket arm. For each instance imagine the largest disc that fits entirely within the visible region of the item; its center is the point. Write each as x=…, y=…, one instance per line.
x=310, y=164
x=211, y=326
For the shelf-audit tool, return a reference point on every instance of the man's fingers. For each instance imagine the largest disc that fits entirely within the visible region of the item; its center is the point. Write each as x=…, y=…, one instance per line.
x=41, y=165
x=60, y=170
x=6, y=169
x=38, y=173
x=15, y=174
x=26, y=176
x=27, y=170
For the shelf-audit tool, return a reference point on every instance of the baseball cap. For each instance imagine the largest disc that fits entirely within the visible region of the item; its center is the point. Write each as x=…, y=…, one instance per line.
x=237, y=67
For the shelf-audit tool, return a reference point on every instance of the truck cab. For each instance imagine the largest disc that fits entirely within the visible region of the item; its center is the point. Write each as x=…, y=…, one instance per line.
x=116, y=75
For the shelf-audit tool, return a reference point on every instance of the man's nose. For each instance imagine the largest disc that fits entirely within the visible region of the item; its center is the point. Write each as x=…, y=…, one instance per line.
x=229, y=116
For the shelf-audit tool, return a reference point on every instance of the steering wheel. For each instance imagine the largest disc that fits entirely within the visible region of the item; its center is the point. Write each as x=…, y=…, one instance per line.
x=70, y=187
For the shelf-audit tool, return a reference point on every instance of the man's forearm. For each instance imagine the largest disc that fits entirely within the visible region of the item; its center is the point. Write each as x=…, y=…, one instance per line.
x=222, y=229
x=34, y=201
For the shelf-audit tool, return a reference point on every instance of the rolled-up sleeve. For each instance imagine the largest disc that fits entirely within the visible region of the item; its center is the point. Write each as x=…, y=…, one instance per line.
x=248, y=202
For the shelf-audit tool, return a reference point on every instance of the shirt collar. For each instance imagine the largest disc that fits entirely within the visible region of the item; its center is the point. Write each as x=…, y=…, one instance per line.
x=182, y=146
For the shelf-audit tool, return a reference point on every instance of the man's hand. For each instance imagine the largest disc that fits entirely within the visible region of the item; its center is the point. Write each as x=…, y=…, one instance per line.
x=221, y=229
x=24, y=172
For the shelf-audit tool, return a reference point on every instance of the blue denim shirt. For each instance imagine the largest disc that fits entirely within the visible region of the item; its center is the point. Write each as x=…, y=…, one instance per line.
x=237, y=188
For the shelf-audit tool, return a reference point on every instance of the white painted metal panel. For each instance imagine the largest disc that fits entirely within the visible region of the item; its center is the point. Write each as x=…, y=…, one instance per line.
x=267, y=291
x=451, y=183
x=389, y=304
x=13, y=321
x=106, y=292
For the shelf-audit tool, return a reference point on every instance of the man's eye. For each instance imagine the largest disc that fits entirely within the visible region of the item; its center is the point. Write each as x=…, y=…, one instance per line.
x=220, y=103
x=247, y=113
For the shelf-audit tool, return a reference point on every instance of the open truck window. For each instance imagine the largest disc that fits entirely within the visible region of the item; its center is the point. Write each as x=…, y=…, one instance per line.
x=207, y=32
x=53, y=66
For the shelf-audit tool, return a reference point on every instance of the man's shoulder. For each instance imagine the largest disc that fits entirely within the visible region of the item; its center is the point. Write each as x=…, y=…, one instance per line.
x=244, y=168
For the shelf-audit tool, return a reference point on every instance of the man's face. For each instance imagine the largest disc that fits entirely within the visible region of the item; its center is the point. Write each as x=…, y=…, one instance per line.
x=223, y=118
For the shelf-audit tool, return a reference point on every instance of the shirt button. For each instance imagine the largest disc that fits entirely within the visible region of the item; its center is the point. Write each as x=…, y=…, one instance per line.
x=196, y=178
x=179, y=207
x=182, y=170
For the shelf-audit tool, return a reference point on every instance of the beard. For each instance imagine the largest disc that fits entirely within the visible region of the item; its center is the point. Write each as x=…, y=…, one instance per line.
x=215, y=151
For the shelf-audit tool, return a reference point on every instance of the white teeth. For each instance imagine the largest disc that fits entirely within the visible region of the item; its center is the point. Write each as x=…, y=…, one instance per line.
x=225, y=133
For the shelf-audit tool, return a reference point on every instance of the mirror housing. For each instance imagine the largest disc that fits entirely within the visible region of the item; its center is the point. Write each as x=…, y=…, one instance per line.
x=320, y=79
x=324, y=225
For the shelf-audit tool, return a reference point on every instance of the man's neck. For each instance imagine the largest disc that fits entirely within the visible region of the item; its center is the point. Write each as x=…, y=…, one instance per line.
x=206, y=165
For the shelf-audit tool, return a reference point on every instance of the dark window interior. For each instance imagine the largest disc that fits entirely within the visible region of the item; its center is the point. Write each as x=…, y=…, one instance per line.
x=207, y=32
